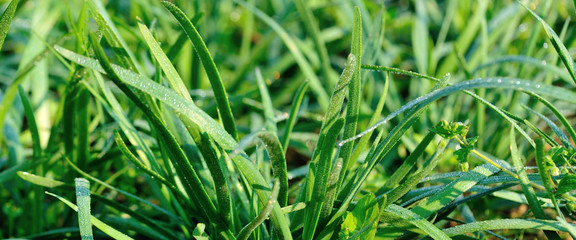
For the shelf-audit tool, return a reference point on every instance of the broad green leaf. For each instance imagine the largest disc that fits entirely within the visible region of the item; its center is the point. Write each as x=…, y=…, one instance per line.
x=362, y=221
x=566, y=184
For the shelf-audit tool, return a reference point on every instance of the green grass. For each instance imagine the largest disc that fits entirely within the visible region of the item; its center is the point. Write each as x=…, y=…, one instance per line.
x=267, y=119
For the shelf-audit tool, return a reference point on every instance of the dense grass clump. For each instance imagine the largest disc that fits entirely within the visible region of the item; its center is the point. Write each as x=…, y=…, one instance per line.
x=268, y=119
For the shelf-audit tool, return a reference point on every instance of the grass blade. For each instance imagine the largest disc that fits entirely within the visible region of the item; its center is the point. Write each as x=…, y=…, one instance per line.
x=354, y=96
x=266, y=103
x=505, y=224
x=296, y=102
x=248, y=229
x=173, y=77
x=6, y=19
x=97, y=223
x=83, y=201
x=276, y=155
x=209, y=66
x=320, y=184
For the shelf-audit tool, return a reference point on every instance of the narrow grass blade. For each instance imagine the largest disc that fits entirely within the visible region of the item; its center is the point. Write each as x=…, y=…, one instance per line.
x=332, y=189
x=266, y=103
x=29, y=112
x=210, y=153
x=171, y=74
x=276, y=154
x=296, y=102
x=557, y=43
x=39, y=180
x=418, y=221
x=525, y=183
x=83, y=201
x=507, y=224
x=320, y=184
x=330, y=118
x=304, y=65
x=6, y=19
x=354, y=88
x=209, y=66
x=248, y=229
x=97, y=223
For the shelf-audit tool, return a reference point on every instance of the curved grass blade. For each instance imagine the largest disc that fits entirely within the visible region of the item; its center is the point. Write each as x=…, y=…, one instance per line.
x=209, y=66
x=279, y=169
x=171, y=74
x=192, y=116
x=83, y=201
x=248, y=229
x=97, y=223
x=507, y=224
x=315, y=83
x=6, y=19
x=296, y=102
x=501, y=83
x=557, y=43
x=417, y=221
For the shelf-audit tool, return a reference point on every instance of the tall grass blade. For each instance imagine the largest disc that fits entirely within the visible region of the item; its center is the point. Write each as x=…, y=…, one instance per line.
x=278, y=162
x=266, y=103
x=83, y=201
x=354, y=88
x=293, y=117
x=112, y=232
x=209, y=66
x=171, y=74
